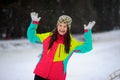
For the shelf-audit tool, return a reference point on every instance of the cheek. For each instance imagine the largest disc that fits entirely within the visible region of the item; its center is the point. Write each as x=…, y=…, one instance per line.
x=66, y=30
x=57, y=28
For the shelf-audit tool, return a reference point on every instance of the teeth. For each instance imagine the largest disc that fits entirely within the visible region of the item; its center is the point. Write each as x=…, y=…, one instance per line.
x=61, y=31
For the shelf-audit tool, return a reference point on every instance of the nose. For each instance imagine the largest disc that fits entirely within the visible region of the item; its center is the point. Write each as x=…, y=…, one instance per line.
x=62, y=28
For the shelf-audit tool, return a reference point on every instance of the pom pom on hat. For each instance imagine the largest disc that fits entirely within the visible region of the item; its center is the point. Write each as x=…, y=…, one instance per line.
x=66, y=19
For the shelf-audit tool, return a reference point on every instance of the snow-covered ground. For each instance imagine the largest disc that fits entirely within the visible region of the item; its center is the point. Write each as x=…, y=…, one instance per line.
x=18, y=59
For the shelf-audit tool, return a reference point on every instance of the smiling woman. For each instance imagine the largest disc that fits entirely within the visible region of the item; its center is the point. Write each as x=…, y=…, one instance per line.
x=64, y=24
x=62, y=28
x=58, y=47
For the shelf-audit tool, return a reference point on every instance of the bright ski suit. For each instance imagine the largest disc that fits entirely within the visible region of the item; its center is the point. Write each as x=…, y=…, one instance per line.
x=53, y=61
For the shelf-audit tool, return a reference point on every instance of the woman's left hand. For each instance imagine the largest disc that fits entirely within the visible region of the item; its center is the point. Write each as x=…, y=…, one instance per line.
x=90, y=25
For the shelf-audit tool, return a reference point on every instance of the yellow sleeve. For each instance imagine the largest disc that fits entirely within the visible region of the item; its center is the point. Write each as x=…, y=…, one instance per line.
x=43, y=36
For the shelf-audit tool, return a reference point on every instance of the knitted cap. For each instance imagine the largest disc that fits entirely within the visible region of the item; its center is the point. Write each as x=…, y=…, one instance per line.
x=66, y=19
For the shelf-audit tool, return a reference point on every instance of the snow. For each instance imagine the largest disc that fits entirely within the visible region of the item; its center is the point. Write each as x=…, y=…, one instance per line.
x=18, y=59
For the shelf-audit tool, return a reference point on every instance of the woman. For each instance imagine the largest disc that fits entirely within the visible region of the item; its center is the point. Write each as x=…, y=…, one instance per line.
x=58, y=47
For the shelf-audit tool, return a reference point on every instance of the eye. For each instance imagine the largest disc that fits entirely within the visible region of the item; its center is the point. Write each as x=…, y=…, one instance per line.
x=60, y=25
x=65, y=26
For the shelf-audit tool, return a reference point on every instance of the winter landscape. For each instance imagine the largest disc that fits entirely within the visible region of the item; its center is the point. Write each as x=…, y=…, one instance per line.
x=18, y=59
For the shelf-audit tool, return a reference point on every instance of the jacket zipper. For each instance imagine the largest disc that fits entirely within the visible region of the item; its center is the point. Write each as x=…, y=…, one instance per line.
x=59, y=51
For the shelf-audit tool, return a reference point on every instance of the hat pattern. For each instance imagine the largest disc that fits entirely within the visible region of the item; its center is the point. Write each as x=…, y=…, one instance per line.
x=66, y=19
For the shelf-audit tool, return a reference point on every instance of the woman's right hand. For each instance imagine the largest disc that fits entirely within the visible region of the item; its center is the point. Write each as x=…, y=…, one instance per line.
x=34, y=16
x=90, y=25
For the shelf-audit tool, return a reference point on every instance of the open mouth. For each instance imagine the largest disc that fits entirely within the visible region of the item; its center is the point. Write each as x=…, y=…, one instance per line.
x=62, y=31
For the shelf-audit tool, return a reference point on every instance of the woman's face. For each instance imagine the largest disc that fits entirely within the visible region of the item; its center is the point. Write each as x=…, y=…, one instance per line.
x=62, y=28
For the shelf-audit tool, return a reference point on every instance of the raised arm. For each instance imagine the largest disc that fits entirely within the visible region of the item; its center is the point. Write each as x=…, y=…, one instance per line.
x=31, y=32
x=87, y=45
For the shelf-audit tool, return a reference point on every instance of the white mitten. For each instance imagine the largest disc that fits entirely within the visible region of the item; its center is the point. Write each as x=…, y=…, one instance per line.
x=90, y=25
x=34, y=16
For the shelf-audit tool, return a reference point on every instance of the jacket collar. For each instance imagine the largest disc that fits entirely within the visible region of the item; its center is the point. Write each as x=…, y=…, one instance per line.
x=60, y=38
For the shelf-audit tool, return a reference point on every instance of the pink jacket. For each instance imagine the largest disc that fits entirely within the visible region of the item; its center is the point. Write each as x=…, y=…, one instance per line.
x=46, y=67
x=53, y=62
